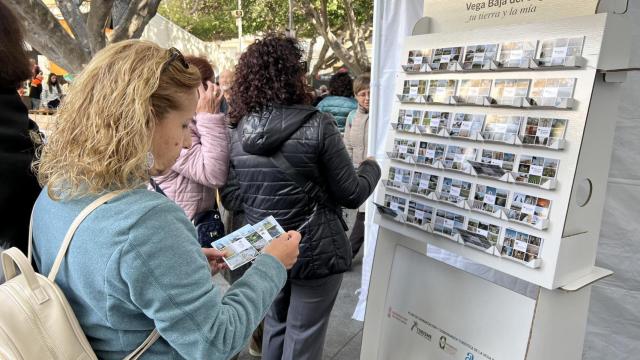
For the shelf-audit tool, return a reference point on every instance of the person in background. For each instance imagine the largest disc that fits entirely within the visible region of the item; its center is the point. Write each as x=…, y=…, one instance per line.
x=135, y=263
x=52, y=92
x=340, y=101
x=226, y=80
x=271, y=105
x=201, y=169
x=321, y=93
x=356, y=140
x=20, y=187
x=35, y=89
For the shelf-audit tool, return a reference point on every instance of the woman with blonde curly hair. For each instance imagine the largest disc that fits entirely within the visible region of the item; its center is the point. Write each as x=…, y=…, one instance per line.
x=134, y=263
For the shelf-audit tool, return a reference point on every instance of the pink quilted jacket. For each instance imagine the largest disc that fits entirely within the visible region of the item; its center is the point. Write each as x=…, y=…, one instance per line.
x=201, y=169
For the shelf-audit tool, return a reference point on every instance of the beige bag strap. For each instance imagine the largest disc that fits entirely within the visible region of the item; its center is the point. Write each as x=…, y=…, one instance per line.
x=144, y=346
x=72, y=230
x=12, y=258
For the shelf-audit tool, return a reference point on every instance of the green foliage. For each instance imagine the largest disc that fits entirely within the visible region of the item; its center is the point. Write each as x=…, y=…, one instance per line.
x=212, y=19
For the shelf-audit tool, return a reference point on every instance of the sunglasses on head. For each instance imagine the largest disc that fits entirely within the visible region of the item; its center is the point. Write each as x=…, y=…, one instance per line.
x=174, y=54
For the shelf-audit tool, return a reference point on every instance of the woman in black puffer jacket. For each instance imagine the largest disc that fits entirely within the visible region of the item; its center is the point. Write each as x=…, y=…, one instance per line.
x=269, y=104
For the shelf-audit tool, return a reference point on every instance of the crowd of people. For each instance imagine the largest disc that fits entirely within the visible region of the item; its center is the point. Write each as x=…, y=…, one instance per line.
x=178, y=147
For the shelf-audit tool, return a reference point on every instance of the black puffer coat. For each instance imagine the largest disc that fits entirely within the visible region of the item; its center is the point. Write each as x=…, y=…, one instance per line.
x=311, y=142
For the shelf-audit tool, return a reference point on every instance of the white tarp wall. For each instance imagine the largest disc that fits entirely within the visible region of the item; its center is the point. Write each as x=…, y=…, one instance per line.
x=613, y=330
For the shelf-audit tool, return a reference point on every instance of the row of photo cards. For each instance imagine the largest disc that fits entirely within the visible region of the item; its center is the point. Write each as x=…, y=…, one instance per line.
x=513, y=54
x=476, y=233
x=503, y=166
x=244, y=245
x=519, y=207
x=552, y=92
x=537, y=131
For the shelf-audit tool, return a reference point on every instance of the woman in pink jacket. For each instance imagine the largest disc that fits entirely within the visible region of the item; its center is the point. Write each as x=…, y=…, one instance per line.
x=201, y=169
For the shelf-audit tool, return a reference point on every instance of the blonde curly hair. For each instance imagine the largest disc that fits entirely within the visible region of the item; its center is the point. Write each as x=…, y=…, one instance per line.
x=105, y=124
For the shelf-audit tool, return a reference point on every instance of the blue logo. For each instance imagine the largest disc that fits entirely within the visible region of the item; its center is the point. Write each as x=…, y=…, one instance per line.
x=469, y=356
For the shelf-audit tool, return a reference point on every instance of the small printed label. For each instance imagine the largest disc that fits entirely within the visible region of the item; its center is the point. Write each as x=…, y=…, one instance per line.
x=528, y=209
x=435, y=122
x=515, y=55
x=490, y=199
x=478, y=57
x=445, y=58
x=403, y=149
x=398, y=176
x=496, y=162
x=482, y=232
x=520, y=246
x=448, y=223
x=417, y=60
x=550, y=92
x=536, y=170
x=500, y=128
x=413, y=90
x=420, y=214
x=454, y=191
x=543, y=132
x=559, y=52
x=431, y=154
x=408, y=119
x=474, y=91
x=394, y=206
x=458, y=158
x=466, y=125
x=509, y=92
x=424, y=184
x=441, y=92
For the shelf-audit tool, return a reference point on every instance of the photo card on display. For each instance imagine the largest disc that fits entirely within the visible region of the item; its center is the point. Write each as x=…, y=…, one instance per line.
x=398, y=178
x=395, y=203
x=417, y=59
x=555, y=52
x=479, y=56
x=419, y=214
x=458, y=157
x=490, y=199
x=480, y=234
x=430, y=153
x=474, y=91
x=466, y=125
x=536, y=170
x=529, y=209
x=520, y=246
x=403, y=149
x=424, y=183
x=505, y=160
x=552, y=92
x=502, y=128
x=517, y=54
x=441, y=91
x=446, y=58
x=434, y=122
x=510, y=92
x=454, y=190
x=544, y=132
x=408, y=120
x=448, y=223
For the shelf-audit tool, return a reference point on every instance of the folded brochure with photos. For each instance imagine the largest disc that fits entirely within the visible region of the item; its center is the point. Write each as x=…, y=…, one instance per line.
x=245, y=244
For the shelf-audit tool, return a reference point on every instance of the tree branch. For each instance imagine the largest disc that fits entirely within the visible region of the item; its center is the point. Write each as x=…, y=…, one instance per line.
x=97, y=22
x=70, y=10
x=48, y=36
x=138, y=15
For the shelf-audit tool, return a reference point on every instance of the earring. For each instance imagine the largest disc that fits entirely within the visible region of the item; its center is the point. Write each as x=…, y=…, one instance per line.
x=150, y=160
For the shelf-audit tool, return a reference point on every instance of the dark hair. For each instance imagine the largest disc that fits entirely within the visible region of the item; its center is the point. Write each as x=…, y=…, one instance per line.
x=14, y=63
x=341, y=84
x=57, y=84
x=204, y=66
x=268, y=72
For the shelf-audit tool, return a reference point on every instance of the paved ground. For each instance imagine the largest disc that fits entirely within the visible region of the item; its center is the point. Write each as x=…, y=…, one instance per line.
x=344, y=336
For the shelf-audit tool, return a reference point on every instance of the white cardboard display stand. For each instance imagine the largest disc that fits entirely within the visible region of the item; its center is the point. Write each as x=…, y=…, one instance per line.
x=420, y=308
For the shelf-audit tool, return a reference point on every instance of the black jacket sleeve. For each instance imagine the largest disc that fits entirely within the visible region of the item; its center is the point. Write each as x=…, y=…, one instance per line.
x=230, y=193
x=347, y=187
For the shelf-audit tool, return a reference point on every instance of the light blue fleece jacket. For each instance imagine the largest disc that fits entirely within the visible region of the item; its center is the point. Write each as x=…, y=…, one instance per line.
x=135, y=264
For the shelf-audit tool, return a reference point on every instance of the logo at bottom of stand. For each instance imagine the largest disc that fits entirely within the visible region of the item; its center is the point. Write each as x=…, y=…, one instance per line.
x=449, y=349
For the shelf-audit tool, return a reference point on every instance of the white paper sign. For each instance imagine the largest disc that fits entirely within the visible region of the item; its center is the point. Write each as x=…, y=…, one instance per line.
x=543, y=132
x=478, y=57
x=520, y=246
x=509, y=92
x=496, y=162
x=408, y=119
x=448, y=223
x=454, y=191
x=424, y=184
x=482, y=232
x=550, y=92
x=445, y=59
x=420, y=214
x=489, y=199
x=458, y=158
x=536, y=170
x=413, y=90
x=559, y=52
x=528, y=209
